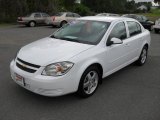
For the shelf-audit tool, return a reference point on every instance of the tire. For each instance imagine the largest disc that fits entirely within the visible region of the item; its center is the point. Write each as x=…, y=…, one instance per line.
x=89, y=82
x=156, y=31
x=151, y=28
x=143, y=56
x=63, y=23
x=32, y=24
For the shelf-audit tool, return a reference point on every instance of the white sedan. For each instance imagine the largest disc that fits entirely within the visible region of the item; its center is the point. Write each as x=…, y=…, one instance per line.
x=79, y=55
x=156, y=27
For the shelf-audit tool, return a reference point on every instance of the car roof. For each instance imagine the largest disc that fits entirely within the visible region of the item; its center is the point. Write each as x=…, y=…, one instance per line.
x=132, y=15
x=104, y=18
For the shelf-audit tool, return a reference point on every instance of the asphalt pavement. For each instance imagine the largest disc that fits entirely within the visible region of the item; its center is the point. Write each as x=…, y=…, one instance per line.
x=133, y=93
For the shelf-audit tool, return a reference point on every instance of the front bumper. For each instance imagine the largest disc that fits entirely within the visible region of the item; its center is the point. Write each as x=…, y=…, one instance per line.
x=45, y=85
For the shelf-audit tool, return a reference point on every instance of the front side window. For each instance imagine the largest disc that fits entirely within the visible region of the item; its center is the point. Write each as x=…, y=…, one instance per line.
x=134, y=28
x=45, y=15
x=119, y=31
x=82, y=31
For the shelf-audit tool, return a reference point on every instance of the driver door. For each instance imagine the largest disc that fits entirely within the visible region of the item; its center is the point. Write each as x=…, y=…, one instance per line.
x=116, y=53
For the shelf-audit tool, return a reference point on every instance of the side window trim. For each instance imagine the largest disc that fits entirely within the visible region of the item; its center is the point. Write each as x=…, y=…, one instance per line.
x=124, y=22
x=129, y=36
x=115, y=25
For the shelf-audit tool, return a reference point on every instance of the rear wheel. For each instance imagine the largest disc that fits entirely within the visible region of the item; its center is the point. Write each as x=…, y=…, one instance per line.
x=89, y=82
x=143, y=57
x=63, y=23
x=32, y=24
x=151, y=28
x=156, y=30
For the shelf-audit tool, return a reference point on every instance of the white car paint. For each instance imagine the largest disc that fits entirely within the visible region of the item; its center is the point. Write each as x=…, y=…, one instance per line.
x=157, y=24
x=48, y=50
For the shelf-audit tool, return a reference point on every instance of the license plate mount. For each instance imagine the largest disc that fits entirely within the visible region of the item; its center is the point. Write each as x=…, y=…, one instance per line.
x=19, y=79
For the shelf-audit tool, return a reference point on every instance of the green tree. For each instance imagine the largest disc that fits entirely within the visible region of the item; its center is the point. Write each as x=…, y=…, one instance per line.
x=116, y=6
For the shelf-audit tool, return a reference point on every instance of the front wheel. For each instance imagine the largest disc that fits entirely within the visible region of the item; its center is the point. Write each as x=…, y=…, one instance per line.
x=143, y=57
x=89, y=82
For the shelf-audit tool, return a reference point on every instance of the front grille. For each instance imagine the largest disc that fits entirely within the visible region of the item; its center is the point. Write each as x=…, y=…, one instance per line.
x=29, y=64
x=28, y=67
x=25, y=68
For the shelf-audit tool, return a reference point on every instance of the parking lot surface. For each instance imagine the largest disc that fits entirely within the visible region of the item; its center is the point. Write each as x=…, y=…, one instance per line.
x=133, y=93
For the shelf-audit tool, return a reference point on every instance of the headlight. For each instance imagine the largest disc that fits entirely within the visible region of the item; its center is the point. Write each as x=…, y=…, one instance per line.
x=57, y=69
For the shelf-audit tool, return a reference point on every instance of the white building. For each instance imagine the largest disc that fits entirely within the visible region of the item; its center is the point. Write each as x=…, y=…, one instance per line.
x=152, y=1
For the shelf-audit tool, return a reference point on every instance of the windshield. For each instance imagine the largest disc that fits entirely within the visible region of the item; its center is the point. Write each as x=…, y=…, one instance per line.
x=82, y=31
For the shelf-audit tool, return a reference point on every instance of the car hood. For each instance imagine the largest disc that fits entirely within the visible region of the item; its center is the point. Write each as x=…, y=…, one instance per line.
x=50, y=50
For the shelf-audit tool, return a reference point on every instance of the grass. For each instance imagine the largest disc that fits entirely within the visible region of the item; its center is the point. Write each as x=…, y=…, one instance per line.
x=5, y=24
x=153, y=14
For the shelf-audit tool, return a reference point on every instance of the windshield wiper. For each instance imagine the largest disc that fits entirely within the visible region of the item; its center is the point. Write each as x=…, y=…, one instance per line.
x=52, y=36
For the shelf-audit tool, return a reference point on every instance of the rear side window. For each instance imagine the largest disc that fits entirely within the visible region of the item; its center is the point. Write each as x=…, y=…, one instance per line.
x=119, y=31
x=37, y=15
x=134, y=28
x=76, y=15
x=69, y=15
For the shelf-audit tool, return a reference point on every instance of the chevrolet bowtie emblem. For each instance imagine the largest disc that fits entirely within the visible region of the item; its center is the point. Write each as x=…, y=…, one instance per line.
x=24, y=65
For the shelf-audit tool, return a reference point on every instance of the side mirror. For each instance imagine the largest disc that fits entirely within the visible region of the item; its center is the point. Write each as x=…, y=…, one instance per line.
x=115, y=41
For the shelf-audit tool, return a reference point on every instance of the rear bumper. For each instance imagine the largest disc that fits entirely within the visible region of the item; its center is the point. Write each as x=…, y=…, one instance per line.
x=22, y=22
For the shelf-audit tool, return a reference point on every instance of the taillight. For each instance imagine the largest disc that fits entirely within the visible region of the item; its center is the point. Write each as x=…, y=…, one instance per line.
x=53, y=18
x=20, y=18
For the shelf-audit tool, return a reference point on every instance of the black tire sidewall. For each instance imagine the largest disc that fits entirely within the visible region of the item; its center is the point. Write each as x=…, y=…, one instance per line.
x=139, y=62
x=32, y=22
x=63, y=23
x=80, y=91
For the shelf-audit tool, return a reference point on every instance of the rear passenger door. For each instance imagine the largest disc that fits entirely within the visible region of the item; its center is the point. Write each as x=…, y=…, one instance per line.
x=38, y=18
x=134, y=39
x=44, y=17
x=70, y=17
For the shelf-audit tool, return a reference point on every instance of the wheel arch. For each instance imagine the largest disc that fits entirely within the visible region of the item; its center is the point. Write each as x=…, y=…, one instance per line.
x=87, y=65
x=62, y=22
x=32, y=21
x=146, y=45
